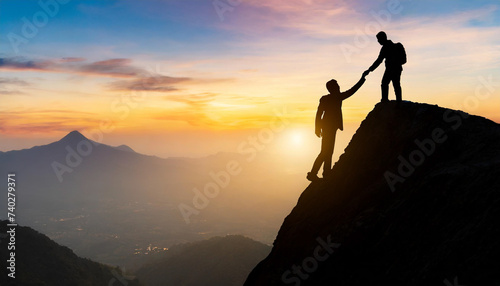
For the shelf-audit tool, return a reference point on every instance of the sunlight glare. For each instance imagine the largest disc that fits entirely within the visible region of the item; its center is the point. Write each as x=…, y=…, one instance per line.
x=296, y=139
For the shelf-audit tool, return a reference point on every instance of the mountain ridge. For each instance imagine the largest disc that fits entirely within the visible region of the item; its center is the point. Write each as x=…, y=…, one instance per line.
x=412, y=233
x=73, y=138
x=215, y=261
x=41, y=261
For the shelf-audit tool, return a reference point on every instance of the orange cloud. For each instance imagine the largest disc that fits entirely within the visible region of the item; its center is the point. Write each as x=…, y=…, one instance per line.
x=28, y=121
x=152, y=83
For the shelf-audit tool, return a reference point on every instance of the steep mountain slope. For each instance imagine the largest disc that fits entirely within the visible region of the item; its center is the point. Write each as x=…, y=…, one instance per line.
x=41, y=261
x=414, y=200
x=221, y=261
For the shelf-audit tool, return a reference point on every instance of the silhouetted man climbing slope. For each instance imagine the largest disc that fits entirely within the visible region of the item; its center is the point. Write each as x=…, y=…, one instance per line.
x=395, y=58
x=328, y=120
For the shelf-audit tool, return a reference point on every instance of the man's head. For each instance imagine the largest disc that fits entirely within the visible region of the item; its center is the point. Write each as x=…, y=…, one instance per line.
x=333, y=87
x=382, y=37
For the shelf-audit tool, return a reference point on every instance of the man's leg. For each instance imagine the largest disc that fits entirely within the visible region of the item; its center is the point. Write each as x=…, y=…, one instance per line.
x=320, y=159
x=317, y=164
x=396, y=82
x=329, y=144
x=385, y=85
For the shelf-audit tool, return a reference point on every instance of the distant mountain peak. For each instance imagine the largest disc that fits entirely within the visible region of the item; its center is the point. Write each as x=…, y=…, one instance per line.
x=74, y=136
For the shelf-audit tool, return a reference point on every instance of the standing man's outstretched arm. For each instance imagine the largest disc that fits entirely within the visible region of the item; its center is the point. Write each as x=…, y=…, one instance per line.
x=377, y=62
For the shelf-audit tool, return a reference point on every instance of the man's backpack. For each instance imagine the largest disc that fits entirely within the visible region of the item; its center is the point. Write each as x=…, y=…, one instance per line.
x=400, y=53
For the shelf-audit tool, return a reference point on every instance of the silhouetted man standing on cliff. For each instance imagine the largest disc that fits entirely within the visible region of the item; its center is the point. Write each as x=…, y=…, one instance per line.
x=328, y=120
x=395, y=58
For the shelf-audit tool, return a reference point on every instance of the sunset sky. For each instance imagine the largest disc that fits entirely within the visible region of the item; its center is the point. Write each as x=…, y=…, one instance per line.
x=191, y=78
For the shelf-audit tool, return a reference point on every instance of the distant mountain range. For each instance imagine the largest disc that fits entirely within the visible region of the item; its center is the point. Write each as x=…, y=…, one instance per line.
x=221, y=261
x=414, y=200
x=111, y=203
x=41, y=261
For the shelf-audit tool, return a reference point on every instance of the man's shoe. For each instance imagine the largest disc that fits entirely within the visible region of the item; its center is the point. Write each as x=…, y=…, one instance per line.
x=312, y=177
x=384, y=100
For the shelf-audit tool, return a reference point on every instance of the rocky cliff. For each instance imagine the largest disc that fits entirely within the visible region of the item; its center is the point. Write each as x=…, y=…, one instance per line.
x=414, y=200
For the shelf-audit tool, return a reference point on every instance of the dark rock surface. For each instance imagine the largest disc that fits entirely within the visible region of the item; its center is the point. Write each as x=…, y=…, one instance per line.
x=414, y=200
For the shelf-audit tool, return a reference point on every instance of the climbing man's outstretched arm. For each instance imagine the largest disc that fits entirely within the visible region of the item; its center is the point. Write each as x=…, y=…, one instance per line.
x=317, y=124
x=348, y=93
